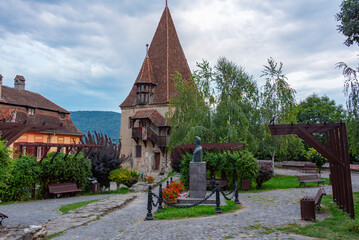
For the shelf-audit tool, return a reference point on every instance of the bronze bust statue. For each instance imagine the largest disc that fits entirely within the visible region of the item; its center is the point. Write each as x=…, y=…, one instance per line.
x=197, y=153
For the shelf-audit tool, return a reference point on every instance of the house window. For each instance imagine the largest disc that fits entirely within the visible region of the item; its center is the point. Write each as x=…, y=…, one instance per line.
x=146, y=98
x=31, y=111
x=62, y=116
x=24, y=150
x=130, y=123
x=38, y=152
x=60, y=140
x=138, y=150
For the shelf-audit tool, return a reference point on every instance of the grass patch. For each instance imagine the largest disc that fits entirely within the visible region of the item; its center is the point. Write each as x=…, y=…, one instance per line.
x=199, y=211
x=66, y=208
x=55, y=235
x=7, y=203
x=339, y=226
x=282, y=182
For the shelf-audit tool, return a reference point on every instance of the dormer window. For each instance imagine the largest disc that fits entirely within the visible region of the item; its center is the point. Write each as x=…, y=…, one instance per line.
x=62, y=116
x=31, y=111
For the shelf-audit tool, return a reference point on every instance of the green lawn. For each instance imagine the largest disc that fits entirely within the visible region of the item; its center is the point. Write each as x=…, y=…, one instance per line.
x=282, y=182
x=339, y=226
x=66, y=208
x=199, y=211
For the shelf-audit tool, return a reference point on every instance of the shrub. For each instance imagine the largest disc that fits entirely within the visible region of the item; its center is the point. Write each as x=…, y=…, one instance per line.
x=25, y=175
x=59, y=170
x=150, y=179
x=6, y=164
x=265, y=173
x=106, y=159
x=316, y=158
x=170, y=193
x=124, y=176
x=232, y=167
x=178, y=185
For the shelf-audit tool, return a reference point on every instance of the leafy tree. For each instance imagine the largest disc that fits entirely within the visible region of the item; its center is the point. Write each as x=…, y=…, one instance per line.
x=278, y=104
x=349, y=21
x=188, y=113
x=5, y=167
x=25, y=174
x=315, y=109
x=106, y=159
x=316, y=158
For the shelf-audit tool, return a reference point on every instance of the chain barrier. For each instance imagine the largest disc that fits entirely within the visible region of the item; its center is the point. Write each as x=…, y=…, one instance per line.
x=160, y=200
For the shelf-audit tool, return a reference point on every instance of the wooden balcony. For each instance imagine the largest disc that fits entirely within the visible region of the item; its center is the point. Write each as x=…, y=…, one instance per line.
x=161, y=141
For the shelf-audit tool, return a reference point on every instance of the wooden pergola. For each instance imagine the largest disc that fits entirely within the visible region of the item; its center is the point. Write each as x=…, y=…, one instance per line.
x=68, y=148
x=335, y=150
x=10, y=131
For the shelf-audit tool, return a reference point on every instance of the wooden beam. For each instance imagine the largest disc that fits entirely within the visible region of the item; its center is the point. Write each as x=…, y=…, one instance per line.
x=45, y=153
x=57, y=152
x=88, y=152
x=68, y=149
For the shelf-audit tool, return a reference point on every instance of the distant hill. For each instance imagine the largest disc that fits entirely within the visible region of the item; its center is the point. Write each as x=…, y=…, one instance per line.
x=100, y=121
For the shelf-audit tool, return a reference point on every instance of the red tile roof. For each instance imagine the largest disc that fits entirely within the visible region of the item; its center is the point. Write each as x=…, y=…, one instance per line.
x=153, y=115
x=146, y=73
x=166, y=56
x=17, y=97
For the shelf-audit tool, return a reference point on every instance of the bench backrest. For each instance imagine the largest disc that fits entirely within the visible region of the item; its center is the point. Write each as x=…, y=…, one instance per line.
x=308, y=177
x=62, y=187
x=319, y=195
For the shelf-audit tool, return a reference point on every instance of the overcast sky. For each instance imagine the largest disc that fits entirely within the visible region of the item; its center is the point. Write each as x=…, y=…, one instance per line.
x=85, y=55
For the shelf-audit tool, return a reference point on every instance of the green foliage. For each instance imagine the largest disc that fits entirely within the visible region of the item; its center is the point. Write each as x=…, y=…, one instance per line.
x=315, y=109
x=24, y=175
x=100, y=121
x=72, y=206
x=72, y=169
x=316, y=158
x=5, y=167
x=124, y=176
x=349, y=21
x=232, y=167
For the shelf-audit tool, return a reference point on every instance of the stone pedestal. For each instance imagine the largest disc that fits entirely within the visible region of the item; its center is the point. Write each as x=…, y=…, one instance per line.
x=197, y=179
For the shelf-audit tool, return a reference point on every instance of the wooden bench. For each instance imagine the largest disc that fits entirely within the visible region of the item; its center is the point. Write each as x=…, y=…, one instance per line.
x=303, y=179
x=309, y=167
x=2, y=217
x=63, y=188
x=318, y=198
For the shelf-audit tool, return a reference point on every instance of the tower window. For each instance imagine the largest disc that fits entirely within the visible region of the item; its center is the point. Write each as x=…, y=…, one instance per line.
x=31, y=111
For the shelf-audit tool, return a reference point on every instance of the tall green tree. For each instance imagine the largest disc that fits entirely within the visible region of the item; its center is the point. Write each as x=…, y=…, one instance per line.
x=315, y=109
x=348, y=19
x=278, y=105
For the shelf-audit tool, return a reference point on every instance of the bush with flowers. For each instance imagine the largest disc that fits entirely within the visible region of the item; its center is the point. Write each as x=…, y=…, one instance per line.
x=170, y=193
x=150, y=179
x=178, y=185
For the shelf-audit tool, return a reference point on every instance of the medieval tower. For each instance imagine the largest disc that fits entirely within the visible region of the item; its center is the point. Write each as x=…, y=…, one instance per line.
x=144, y=130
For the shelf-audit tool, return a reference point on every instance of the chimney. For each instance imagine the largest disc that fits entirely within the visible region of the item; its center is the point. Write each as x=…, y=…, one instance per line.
x=19, y=82
x=0, y=86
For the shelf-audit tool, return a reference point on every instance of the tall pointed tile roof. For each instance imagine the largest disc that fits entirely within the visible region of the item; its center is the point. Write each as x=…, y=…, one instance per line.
x=146, y=74
x=166, y=57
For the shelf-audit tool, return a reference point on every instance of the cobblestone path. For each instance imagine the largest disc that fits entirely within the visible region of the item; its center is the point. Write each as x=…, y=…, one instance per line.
x=261, y=215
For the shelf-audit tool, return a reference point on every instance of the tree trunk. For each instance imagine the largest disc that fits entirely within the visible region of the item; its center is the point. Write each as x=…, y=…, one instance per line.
x=273, y=155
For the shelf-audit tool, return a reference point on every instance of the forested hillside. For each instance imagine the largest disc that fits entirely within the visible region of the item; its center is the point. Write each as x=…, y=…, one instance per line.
x=100, y=121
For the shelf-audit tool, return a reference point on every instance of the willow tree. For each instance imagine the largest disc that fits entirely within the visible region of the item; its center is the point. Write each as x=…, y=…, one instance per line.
x=278, y=106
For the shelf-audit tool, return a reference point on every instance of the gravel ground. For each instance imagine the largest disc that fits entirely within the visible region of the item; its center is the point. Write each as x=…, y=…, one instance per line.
x=39, y=212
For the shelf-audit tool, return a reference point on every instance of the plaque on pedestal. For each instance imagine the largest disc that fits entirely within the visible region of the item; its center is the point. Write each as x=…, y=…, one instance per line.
x=197, y=179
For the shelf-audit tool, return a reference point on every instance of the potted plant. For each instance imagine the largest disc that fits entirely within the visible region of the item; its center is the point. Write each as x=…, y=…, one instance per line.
x=150, y=179
x=170, y=195
x=178, y=185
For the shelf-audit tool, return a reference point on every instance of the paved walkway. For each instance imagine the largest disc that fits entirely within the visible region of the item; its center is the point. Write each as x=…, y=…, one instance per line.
x=261, y=215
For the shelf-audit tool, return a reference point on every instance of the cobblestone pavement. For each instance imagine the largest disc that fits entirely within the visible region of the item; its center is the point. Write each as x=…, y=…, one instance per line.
x=261, y=215
x=38, y=212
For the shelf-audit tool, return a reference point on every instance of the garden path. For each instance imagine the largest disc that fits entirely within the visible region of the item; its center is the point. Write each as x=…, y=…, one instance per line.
x=262, y=214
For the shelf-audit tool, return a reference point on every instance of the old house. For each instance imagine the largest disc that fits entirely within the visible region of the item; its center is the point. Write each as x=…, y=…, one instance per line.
x=144, y=130
x=31, y=113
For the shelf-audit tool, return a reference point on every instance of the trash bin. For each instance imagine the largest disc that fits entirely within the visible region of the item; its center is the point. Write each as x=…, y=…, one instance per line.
x=307, y=208
x=95, y=187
